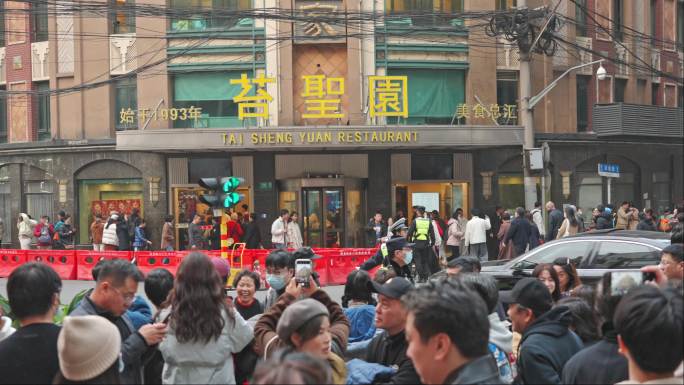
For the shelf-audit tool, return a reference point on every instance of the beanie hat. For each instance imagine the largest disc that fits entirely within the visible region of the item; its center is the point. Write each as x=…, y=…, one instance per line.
x=297, y=315
x=87, y=346
x=222, y=266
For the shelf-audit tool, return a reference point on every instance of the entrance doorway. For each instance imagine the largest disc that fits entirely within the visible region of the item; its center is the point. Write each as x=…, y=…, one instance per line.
x=323, y=217
x=443, y=197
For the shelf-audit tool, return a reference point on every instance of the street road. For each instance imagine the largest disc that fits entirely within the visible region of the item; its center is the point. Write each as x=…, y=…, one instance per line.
x=71, y=288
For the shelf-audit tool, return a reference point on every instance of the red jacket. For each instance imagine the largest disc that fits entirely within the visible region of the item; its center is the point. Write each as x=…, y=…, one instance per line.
x=38, y=229
x=235, y=231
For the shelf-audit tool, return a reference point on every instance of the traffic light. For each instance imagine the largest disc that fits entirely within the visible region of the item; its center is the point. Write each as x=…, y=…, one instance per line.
x=222, y=192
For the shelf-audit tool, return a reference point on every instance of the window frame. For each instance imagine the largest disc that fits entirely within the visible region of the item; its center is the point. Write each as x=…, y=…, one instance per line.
x=581, y=27
x=39, y=22
x=2, y=24
x=618, y=15
x=619, y=84
x=582, y=82
x=42, y=113
x=117, y=8
x=3, y=118
x=126, y=84
x=515, y=79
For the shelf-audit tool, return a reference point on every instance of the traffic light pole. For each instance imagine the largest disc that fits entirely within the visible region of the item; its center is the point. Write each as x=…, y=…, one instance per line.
x=528, y=123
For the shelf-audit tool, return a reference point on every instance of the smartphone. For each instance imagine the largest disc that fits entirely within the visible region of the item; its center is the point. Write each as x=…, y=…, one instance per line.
x=623, y=281
x=303, y=270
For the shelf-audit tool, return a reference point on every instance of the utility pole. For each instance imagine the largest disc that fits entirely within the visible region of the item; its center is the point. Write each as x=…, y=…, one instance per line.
x=527, y=120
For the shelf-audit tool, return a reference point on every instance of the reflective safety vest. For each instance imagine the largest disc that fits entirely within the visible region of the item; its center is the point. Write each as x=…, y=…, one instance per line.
x=383, y=250
x=422, y=229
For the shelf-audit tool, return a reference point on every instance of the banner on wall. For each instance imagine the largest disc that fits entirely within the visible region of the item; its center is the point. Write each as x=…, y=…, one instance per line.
x=122, y=206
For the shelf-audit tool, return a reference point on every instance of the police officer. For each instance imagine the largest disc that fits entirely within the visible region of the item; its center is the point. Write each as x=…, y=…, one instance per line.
x=398, y=229
x=399, y=257
x=423, y=235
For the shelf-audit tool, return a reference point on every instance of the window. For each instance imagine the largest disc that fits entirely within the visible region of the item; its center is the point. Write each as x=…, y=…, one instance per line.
x=653, y=22
x=122, y=16
x=618, y=19
x=589, y=191
x=582, y=84
x=201, y=22
x=39, y=198
x=43, y=110
x=507, y=93
x=661, y=191
x=680, y=23
x=506, y=4
x=619, y=86
x=213, y=93
x=581, y=18
x=39, y=20
x=624, y=255
x=2, y=23
x=432, y=166
x=3, y=118
x=655, y=87
x=126, y=96
x=424, y=12
x=641, y=91
x=576, y=251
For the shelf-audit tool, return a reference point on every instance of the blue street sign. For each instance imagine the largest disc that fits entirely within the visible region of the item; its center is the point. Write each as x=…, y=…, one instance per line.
x=610, y=170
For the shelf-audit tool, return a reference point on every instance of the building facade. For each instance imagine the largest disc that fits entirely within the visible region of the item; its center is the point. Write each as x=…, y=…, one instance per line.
x=401, y=103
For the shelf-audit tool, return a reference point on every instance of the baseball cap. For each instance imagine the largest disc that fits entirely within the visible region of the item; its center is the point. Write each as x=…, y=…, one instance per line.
x=305, y=253
x=394, y=288
x=530, y=293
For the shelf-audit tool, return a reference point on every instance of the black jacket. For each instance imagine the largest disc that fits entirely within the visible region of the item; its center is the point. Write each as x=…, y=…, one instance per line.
x=555, y=222
x=520, y=232
x=370, y=232
x=391, y=351
x=598, y=364
x=604, y=221
x=122, y=234
x=647, y=225
x=252, y=236
x=545, y=348
x=482, y=370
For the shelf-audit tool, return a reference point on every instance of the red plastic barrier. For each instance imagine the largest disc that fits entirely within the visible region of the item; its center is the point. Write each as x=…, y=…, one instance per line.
x=150, y=260
x=87, y=259
x=62, y=261
x=341, y=262
x=10, y=260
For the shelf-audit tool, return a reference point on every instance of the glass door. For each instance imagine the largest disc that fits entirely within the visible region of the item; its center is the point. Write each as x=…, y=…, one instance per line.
x=323, y=217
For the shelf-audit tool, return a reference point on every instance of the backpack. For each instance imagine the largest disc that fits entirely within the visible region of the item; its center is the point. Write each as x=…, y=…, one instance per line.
x=44, y=236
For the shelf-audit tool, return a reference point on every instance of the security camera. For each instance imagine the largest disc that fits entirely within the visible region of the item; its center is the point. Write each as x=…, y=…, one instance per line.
x=601, y=72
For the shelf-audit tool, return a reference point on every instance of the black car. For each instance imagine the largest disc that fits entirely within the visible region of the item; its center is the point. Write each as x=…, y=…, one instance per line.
x=593, y=253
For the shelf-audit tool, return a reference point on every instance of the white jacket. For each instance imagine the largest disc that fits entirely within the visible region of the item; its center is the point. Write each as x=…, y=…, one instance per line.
x=109, y=235
x=6, y=329
x=294, y=235
x=26, y=226
x=278, y=231
x=538, y=219
x=476, y=231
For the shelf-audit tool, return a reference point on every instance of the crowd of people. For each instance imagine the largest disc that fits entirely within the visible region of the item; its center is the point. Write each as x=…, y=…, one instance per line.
x=456, y=328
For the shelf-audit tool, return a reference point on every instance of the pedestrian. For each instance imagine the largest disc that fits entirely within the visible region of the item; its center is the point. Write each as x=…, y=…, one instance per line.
x=252, y=237
x=677, y=234
x=279, y=230
x=234, y=230
x=492, y=242
x=568, y=279
x=400, y=256
x=88, y=348
x=547, y=342
x=141, y=243
x=2, y=231
x=294, y=234
x=601, y=363
x=538, y=219
x=439, y=228
x=548, y=276
x=287, y=367
x=375, y=230
x=246, y=283
x=396, y=230
x=196, y=239
x=570, y=225
x=520, y=232
x=96, y=232
x=447, y=332
x=25, y=227
x=29, y=356
x=648, y=221
x=167, y=237
x=476, y=235
x=204, y=331
x=117, y=283
x=110, y=240
x=64, y=237
x=61, y=216
x=279, y=271
x=44, y=232
x=649, y=326
x=6, y=328
x=123, y=233
x=604, y=220
x=314, y=325
x=133, y=221
x=455, y=234
x=500, y=337
x=388, y=348
x=158, y=287
x=672, y=264
x=422, y=234
x=536, y=238
x=555, y=221
x=585, y=321
x=359, y=306
x=624, y=216
x=506, y=249
x=465, y=264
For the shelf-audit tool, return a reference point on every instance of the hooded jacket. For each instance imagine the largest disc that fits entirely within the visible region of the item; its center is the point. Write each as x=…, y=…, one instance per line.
x=501, y=346
x=604, y=221
x=598, y=364
x=26, y=226
x=109, y=236
x=546, y=346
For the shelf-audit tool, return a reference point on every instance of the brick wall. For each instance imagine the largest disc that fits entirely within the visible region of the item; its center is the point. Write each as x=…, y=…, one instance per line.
x=21, y=126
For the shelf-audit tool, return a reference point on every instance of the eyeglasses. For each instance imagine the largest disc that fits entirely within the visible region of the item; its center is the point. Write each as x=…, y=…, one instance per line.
x=128, y=298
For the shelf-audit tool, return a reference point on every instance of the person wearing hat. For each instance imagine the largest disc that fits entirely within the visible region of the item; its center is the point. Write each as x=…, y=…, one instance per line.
x=88, y=348
x=307, y=252
x=547, y=343
x=389, y=347
x=286, y=324
x=422, y=234
x=397, y=229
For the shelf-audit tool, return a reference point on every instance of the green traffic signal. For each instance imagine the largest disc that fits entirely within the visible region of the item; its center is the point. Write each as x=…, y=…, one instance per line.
x=231, y=199
x=231, y=183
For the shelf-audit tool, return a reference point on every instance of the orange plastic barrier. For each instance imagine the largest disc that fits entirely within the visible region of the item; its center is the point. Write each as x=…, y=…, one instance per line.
x=150, y=260
x=10, y=260
x=87, y=259
x=62, y=261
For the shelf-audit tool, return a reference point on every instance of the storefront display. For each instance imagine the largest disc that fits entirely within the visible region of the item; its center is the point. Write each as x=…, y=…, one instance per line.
x=103, y=196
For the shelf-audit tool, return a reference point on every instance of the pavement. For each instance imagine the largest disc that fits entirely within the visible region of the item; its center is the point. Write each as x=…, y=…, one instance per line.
x=71, y=288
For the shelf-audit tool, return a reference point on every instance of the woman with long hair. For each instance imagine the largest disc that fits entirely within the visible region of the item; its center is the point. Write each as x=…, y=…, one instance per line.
x=359, y=306
x=570, y=225
x=567, y=276
x=547, y=274
x=585, y=321
x=204, y=331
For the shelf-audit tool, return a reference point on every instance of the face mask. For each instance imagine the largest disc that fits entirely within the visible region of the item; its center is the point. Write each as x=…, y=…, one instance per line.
x=408, y=257
x=277, y=282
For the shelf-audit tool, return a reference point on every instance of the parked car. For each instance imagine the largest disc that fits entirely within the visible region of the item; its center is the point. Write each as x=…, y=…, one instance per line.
x=593, y=253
